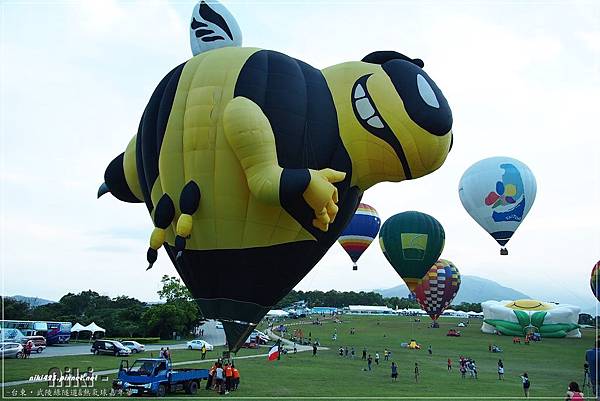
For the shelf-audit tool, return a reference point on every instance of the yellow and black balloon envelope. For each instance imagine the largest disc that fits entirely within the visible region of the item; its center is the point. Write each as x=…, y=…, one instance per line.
x=252, y=162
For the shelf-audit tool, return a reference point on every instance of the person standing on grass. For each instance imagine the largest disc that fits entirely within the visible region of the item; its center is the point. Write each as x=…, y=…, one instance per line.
x=429, y=350
x=526, y=384
x=314, y=349
x=463, y=370
x=346, y=351
x=416, y=372
x=236, y=377
x=219, y=379
x=228, y=378
x=162, y=352
x=574, y=393
x=394, y=371
x=369, y=362
x=377, y=358
x=385, y=355
x=449, y=365
x=28, y=348
x=352, y=352
x=592, y=357
x=203, y=350
x=474, y=368
x=364, y=354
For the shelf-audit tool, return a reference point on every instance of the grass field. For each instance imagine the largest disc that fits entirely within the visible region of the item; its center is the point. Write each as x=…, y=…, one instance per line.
x=551, y=364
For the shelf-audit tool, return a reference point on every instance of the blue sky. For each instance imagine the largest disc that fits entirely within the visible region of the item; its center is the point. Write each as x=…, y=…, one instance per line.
x=522, y=79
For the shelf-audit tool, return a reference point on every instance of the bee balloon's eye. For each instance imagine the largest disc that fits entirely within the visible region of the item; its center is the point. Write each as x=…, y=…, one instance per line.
x=426, y=92
x=423, y=100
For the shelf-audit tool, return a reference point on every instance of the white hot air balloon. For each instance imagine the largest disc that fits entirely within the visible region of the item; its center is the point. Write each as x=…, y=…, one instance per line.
x=498, y=193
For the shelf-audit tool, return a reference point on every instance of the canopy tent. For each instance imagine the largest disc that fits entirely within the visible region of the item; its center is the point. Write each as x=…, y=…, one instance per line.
x=94, y=328
x=77, y=328
x=277, y=313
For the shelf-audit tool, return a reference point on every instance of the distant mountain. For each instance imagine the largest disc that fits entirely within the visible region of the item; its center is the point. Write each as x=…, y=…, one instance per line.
x=472, y=289
x=32, y=301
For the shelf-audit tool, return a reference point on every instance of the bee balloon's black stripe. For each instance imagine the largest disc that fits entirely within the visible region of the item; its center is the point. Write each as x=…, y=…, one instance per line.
x=211, y=16
x=197, y=24
x=384, y=133
x=212, y=38
x=152, y=131
x=203, y=32
x=114, y=178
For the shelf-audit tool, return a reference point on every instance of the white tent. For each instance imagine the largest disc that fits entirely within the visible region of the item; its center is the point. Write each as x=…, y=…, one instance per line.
x=277, y=313
x=93, y=327
x=77, y=328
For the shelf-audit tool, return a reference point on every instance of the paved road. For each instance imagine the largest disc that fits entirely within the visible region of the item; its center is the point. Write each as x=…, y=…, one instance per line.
x=214, y=332
x=212, y=335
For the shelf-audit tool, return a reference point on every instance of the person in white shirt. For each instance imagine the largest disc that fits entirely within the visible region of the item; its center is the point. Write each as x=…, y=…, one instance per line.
x=219, y=378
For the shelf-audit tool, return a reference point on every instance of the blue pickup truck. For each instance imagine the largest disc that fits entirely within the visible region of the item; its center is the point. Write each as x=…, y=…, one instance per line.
x=156, y=376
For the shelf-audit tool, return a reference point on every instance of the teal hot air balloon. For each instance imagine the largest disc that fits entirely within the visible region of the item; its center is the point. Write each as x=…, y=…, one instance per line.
x=412, y=242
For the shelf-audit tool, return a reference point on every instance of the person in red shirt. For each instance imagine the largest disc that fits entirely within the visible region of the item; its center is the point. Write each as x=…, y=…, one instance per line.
x=211, y=375
x=449, y=364
x=228, y=377
x=236, y=377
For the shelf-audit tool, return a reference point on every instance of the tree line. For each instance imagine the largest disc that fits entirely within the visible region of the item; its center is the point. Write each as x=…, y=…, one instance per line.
x=341, y=299
x=121, y=316
x=125, y=316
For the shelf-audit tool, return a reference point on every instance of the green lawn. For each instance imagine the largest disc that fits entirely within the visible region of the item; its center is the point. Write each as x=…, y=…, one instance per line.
x=551, y=364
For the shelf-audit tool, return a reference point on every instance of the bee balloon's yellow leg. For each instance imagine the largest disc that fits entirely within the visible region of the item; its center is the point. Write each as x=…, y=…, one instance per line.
x=188, y=204
x=251, y=137
x=164, y=213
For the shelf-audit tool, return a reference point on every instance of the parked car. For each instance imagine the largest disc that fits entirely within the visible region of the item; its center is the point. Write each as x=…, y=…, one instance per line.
x=11, y=350
x=134, y=346
x=197, y=344
x=39, y=343
x=219, y=326
x=258, y=337
x=110, y=347
x=250, y=344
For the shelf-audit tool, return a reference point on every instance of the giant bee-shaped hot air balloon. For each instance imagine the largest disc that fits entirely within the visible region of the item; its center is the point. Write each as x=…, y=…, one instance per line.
x=251, y=164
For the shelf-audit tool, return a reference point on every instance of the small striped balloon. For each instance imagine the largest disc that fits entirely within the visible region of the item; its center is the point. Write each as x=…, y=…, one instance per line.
x=438, y=287
x=594, y=280
x=360, y=232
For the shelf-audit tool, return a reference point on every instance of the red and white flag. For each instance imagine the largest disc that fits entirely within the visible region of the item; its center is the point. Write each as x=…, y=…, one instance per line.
x=273, y=353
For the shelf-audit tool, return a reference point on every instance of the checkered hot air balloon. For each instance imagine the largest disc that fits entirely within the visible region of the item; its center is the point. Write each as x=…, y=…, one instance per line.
x=361, y=231
x=594, y=280
x=438, y=287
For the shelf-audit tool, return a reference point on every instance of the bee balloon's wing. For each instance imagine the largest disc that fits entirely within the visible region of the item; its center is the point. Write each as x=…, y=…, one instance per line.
x=212, y=26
